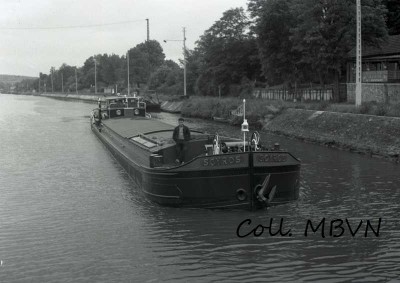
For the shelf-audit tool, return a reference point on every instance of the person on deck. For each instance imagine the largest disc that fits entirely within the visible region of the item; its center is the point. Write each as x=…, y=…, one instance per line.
x=181, y=136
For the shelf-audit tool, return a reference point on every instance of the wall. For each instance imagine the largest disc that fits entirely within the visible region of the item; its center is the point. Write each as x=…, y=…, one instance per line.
x=379, y=92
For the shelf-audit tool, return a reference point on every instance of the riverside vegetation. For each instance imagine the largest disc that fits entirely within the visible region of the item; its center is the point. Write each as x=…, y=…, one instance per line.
x=271, y=43
x=258, y=110
x=372, y=129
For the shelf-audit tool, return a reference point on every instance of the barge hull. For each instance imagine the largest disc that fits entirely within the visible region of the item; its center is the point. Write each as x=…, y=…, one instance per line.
x=206, y=188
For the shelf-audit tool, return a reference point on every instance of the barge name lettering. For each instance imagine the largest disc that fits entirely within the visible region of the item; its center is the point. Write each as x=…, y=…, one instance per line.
x=221, y=161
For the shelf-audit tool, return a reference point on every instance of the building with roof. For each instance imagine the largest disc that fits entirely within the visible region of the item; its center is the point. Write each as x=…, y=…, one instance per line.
x=380, y=72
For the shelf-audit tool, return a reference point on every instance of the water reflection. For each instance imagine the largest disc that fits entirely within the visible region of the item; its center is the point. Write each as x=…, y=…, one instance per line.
x=70, y=213
x=336, y=185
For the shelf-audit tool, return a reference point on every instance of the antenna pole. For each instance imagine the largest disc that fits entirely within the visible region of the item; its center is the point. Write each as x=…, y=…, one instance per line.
x=148, y=30
x=95, y=76
x=127, y=60
x=76, y=82
x=184, y=61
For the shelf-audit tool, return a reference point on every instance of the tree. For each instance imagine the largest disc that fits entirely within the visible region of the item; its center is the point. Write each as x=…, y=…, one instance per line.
x=167, y=79
x=325, y=33
x=393, y=16
x=273, y=23
x=227, y=51
x=87, y=77
x=109, y=68
x=312, y=38
x=144, y=59
x=193, y=67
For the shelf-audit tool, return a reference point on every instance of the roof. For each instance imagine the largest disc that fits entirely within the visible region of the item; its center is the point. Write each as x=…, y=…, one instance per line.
x=389, y=47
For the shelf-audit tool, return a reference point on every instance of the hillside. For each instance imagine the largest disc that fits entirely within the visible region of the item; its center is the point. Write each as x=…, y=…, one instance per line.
x=12, y=79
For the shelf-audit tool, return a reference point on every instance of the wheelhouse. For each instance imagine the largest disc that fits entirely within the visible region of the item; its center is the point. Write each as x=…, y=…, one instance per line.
x=118, y=106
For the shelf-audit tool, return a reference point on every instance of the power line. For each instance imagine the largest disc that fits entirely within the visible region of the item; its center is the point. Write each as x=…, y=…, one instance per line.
x=70, y=27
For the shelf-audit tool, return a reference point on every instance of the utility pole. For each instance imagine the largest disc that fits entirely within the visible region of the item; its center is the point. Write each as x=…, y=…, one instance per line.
x=148, y=30
x=358, y=57
x=62, y=82
x=184, y=62
x=39, y=84
x=76, y=82
x=184, y=58
x=95, y=75
x=127, y=60
x=52, y=86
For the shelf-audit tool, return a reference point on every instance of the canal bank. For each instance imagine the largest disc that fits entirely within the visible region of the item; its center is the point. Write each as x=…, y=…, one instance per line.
x=376, y=136
x=67, y=96
x=82, y=219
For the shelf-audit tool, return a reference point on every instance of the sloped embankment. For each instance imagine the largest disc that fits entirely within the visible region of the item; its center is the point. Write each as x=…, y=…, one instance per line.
x=172, y=106
x=374, y=135
x=72, y=96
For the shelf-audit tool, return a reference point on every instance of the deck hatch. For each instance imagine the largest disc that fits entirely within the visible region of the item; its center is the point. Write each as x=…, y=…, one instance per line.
x=144, y=142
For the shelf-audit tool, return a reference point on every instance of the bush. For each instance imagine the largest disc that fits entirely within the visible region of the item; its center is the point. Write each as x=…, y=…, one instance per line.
x=343, y=108
x=366, y=108
x=381, y=109
x=323, y=105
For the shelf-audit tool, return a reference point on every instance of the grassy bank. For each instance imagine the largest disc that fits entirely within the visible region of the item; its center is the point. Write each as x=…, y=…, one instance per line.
x=377, y=136
x=372, y=129
x=259, y=109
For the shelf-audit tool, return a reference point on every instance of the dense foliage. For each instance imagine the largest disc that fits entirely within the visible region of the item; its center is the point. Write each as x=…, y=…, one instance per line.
x=275, y=42
x=308, y=40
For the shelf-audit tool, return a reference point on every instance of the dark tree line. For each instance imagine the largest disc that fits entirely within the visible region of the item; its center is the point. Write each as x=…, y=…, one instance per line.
x=274, y=42
x=285, y=42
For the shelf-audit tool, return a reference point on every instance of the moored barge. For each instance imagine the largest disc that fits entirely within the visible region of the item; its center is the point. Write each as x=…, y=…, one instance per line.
x=219, y=172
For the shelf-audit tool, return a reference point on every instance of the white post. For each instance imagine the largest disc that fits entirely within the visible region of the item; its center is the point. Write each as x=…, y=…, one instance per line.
x=76, y=82
x=127, y=60
x=358, y=57
x=148, y=30
x=184, y=61
x=244, y=109
x=52, y=87
x=184, y=58
x=95, y=75
x=245, y=125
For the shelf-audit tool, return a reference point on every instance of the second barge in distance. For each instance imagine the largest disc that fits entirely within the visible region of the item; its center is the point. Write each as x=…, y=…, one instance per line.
x=219, y=172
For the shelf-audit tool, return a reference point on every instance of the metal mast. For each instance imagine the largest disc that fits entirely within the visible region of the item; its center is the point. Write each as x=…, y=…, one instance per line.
x=358, y=57
x=148, y=30
x=127, y=60
x=52, y=87
x=76, y=82
x=95, y=75
x=184, y=61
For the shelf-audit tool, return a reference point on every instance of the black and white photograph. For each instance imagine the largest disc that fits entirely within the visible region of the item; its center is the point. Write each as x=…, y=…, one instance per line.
x=199, y=141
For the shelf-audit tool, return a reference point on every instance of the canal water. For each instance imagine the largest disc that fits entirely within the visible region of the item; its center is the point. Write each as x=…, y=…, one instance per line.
x=69, y=213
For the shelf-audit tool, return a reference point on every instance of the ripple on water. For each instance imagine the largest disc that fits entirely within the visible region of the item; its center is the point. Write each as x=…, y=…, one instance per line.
x=69, y=213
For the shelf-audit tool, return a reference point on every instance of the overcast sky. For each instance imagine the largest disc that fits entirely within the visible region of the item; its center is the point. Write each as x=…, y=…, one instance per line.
x=32, y=37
